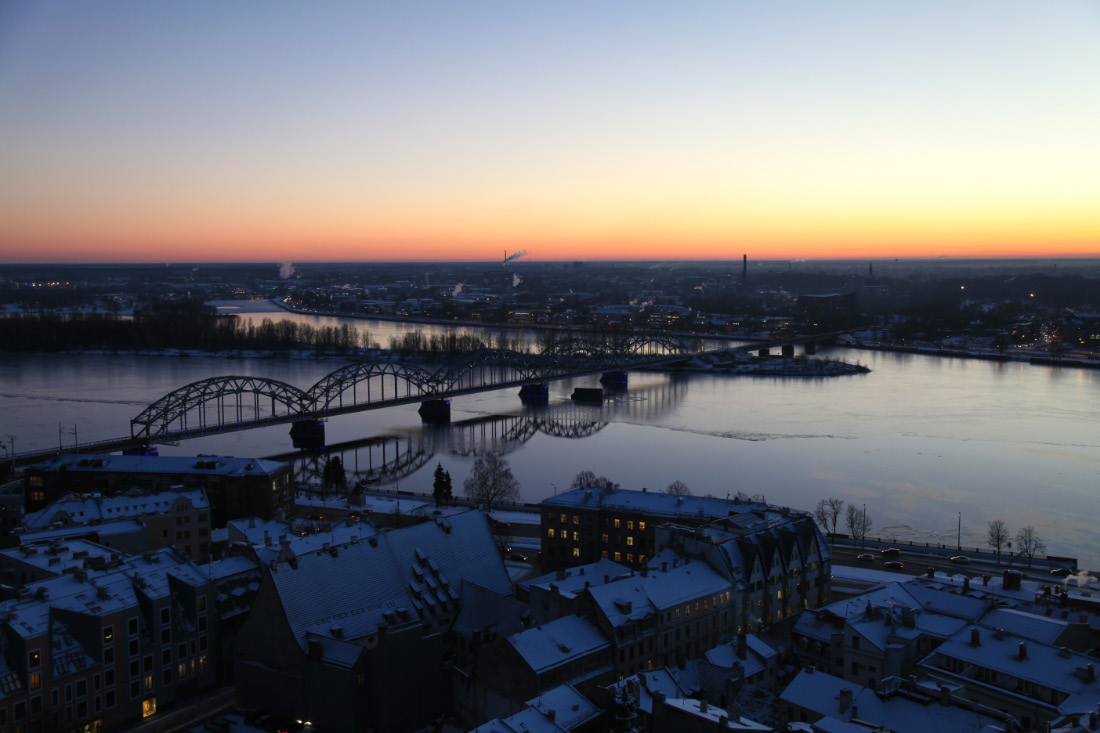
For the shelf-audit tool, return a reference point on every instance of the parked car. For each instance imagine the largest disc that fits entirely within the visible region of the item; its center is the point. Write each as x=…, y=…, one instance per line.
x=1061, y=572
x=514, y=555
x=891, y=552
x=893, y=565
x=960, y=559
x=865, y=557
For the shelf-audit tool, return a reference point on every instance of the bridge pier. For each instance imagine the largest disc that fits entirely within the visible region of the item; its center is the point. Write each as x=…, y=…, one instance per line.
x=614, y=379
x=435, y=411
x=764, y=351
x=308, y=434
x=534, y=392
x=141, y=450
x=788, y=350
x=811, y=347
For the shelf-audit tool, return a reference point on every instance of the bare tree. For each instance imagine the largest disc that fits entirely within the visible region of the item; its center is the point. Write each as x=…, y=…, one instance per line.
x=678, y=488
x=827, y=513
x=998, y=537
x=491, y=481
x=586, y=479
x=754, y=498
x=1029, y=542
x=859, y=523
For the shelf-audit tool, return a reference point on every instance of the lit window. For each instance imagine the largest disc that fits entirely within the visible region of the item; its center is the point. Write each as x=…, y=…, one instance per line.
x=603, y=538
x=576, y=536
x=617, y=524
x=563, y=519
x=641, y=525
x=630, y=540
x=630, y=557
x=630, y=524
x=641, y=558
x=148, y=682
x=182, y=670
x=550, y=532
x=36, y=680
x=576, y=552
x=618, y=557
x=148, y=707
x=108, y=634
x=34, y=659
x=576, y=519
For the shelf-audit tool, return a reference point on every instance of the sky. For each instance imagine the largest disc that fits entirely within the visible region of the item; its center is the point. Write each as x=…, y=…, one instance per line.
x=192, y=131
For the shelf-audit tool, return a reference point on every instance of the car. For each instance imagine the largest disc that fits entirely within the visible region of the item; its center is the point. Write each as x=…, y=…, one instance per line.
x=865, y=557
x=517, y=557
x=1061, y=572
x=891, y=552
x=893, y=565
x=960, y=559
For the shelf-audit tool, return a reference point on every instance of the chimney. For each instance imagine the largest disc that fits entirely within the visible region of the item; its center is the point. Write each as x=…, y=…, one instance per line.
x=744, y=268
x=930, y=572
x=664, y=567
x=845, y=699
x=551, y=714
x=975, y=637
x=945, y=695
x=966, y=584
x=702, y=706
x=1023, y=650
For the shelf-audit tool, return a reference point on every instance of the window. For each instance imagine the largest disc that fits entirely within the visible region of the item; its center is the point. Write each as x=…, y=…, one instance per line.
x=617, y=525
x=202, y=643
x=202, y=662
x=618, y=557
x=641, y=526
x=36, y=680
x=132, y=626
x=165, y=615
x=550, y=532
x=166, y=656
x=202, y=623
x=135, y=689
x=563, y=519
x=603, y=538
x=148, y=663
x=576, y=536
x=166, y=636
x=108, y=634
x=109, y=656
x=630, y=557
x=148, y=707
x=181, y=671
x=109, y=698
x=109, y=677
x=576, y=519
x=135, y=649
x=81, y=688
x=34, y=659
x=167, y=676
x=630, y=540
x=135, y=669
x=576, y=552
x=630, y=524
x=148, y=682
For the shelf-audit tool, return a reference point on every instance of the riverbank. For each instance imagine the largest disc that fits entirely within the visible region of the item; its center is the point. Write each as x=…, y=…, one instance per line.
x=1076, y=359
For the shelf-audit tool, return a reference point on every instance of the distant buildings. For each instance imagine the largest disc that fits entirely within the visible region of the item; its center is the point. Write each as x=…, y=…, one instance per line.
x=235, y=487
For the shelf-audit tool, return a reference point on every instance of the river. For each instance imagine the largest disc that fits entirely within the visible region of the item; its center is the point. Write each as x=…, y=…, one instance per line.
x=923, y=442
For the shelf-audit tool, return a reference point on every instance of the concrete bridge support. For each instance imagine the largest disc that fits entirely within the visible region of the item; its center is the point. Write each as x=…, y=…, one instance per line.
x=437, y=412
x=788, y=350
x=811, y=347
x=308, y=434
x=534, y=392
x=613, y=379
x=763, y=351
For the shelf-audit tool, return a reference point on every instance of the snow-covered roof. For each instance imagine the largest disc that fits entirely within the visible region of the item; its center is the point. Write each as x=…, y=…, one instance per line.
x=570, y=581
x=392, y=578
x=96, y=508
x=558, y=642
x=197, y=465
x=653, y=503
x=899, y=711
x=636, y=596
x=569, y=708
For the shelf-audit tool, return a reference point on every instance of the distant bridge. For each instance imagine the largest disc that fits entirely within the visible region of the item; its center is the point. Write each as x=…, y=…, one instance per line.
x=226, y=404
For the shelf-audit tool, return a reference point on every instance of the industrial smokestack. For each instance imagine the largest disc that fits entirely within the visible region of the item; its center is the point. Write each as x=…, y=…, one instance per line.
x=744, y=268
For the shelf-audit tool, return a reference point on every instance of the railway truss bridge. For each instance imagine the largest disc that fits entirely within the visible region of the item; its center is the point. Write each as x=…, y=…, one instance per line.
x=231, y=403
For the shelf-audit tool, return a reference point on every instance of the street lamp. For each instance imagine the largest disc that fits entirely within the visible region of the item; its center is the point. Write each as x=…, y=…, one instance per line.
x=959, y=541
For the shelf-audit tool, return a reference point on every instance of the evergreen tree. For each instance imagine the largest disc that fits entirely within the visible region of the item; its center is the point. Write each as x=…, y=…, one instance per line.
x=440, y=480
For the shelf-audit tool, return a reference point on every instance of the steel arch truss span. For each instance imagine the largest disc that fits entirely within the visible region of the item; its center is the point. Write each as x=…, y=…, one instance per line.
x=369, y=383
x=218, y=404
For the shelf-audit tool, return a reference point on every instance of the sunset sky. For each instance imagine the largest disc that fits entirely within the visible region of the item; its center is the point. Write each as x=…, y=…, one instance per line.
x=189, y=131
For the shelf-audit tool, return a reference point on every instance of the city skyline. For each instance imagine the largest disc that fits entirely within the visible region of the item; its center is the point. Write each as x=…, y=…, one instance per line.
x=132, y=132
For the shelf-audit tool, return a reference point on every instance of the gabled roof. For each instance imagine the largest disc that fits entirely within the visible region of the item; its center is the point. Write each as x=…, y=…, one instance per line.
x=558, y=642
x=396, y=577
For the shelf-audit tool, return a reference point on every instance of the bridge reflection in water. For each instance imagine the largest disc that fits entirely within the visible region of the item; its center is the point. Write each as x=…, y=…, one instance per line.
x=384, y=460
